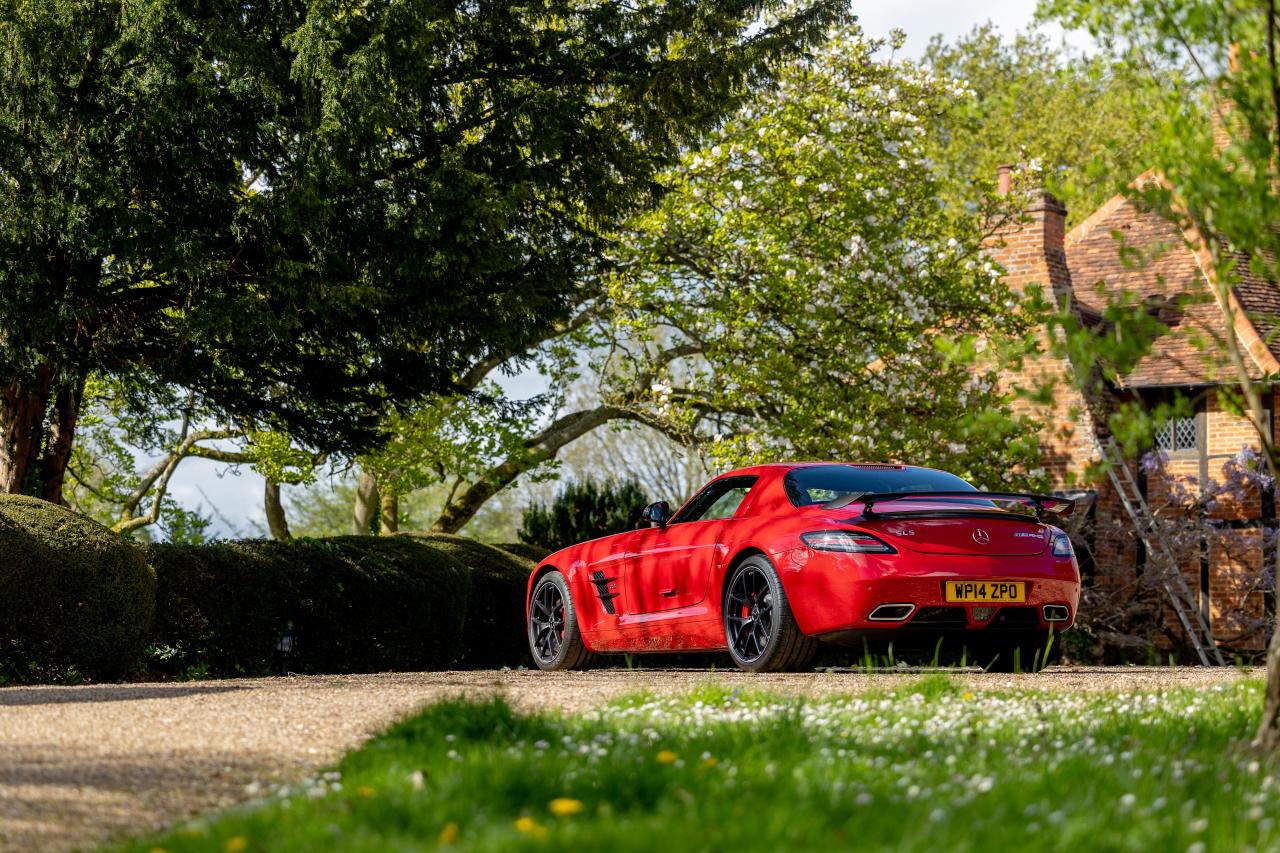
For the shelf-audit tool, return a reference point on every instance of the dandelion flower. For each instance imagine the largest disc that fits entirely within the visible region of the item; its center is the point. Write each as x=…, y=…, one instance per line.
x=666, y=757
x=449, y=834
x=565, y=806
x=967, y=696
x=235, y=844
x=529, y=826
x=364, y=791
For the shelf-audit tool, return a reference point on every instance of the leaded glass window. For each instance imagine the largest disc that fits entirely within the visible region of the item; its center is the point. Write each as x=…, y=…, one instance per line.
x=1177, y=434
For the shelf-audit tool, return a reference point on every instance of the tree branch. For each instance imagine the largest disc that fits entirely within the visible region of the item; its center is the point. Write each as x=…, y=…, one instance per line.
x=536, y=450
x=157, y=478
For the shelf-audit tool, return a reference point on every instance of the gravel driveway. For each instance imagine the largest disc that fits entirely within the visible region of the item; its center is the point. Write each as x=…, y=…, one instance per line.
x=79, y=765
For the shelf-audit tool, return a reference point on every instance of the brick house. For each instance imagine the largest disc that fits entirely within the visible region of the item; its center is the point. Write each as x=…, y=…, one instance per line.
x=1086, y=265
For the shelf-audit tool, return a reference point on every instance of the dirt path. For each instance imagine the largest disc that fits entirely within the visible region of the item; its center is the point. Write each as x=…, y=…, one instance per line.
x=79, y=765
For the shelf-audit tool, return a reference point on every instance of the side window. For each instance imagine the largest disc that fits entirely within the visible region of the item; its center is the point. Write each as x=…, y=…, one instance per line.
x=727, y=504
x=719, y=500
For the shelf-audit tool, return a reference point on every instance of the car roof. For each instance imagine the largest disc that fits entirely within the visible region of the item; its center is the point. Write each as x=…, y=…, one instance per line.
x=790, y=466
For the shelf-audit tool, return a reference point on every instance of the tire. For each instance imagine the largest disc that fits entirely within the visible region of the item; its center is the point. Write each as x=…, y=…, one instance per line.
x=759, y=627
x=552, y=625
x=1022, y=652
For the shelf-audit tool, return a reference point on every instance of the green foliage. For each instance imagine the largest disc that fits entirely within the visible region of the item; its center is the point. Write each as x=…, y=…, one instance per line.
x=77, y=599
x=353, y=604
x=583, y=510
x=122, y=419
x=494, y=633
x=1078, y=124
x=461, y=436
x=935, y=766
x=323, y=508
x=801, y=293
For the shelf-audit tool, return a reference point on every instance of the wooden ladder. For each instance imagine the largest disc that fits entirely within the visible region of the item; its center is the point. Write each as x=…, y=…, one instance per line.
x=1160, y=557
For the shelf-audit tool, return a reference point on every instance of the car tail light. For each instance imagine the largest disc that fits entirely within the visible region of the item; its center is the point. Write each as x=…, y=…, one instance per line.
x=1061, y=545
x=848, y=541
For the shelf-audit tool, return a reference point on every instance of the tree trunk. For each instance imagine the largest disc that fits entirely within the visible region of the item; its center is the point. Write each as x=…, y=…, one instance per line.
x=366, y=505
x=390, y=515
x=464, y=507
x=1268, y=736
x=22, y=415
x=62, y=431
x=277, y=523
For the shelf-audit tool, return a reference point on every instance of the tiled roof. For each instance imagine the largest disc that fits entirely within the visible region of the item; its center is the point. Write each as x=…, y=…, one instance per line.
x=1123, y=248
x=1261, y=301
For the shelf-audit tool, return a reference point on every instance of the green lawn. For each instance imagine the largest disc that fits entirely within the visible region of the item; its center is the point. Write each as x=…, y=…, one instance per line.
x=927, y=767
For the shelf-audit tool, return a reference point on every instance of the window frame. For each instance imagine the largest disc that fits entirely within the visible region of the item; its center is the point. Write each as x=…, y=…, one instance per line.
x=1201, y=422
x=717, y=489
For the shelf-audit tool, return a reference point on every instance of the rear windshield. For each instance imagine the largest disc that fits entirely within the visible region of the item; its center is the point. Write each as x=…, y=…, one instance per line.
x=821, y=483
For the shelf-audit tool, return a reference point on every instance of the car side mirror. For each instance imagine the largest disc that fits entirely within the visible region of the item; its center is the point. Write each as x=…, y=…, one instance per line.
x=657, y=514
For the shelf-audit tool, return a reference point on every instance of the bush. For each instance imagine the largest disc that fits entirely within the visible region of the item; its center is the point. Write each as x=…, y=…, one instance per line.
x=75, y=599
x=352, y=604
x=582, y=511
x=533, y=553
x=494, y=632
x=219, y=609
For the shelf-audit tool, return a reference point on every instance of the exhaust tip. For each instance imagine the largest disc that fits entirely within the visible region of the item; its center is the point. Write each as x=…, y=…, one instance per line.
x=1056, y=613
x=891, y=613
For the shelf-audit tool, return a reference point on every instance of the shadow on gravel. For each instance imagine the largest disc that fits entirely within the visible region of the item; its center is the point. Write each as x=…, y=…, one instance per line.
x=14, y=696
x=55, y=802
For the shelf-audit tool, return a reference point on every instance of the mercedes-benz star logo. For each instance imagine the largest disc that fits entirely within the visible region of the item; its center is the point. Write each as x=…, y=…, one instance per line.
x=980, y=536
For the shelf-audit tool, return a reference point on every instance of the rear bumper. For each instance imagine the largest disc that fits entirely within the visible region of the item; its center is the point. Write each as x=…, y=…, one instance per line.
x=834, y=594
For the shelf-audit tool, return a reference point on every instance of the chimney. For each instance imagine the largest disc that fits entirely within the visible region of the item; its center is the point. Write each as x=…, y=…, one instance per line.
x=1031, y=249
x=1224, y=107
x=1004, y=179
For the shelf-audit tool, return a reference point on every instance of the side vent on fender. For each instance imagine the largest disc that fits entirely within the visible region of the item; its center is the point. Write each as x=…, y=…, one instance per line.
x=602, y=591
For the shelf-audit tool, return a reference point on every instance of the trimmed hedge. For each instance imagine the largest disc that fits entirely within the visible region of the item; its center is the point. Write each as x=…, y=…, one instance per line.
x=76, y=599
x=352, y=604
x=494, y=633
x=533, y=553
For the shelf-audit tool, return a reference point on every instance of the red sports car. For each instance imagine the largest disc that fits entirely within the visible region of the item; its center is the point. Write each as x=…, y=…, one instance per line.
x=765, y=562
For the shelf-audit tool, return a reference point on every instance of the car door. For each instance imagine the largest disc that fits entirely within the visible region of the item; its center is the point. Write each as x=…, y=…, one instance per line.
x=669, y=567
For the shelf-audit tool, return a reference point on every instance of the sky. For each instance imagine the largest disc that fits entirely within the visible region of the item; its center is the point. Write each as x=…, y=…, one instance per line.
x=235, y=498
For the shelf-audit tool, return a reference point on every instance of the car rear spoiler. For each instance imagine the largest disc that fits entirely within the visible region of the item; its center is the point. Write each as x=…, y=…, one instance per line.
x=1041, y=504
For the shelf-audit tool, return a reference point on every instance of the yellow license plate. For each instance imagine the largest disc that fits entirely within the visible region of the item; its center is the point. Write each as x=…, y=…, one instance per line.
x=984, y=592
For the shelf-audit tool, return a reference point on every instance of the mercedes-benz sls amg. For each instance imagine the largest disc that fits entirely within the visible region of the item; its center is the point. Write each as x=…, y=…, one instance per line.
x=766, y=562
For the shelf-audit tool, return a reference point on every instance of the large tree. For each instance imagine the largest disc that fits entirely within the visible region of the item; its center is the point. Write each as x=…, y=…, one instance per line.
x=1217, y=168
x=304, y=209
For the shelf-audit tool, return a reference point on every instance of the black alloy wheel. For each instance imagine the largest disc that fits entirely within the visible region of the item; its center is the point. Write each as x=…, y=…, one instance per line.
x=554, y=638
x=759, y=628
